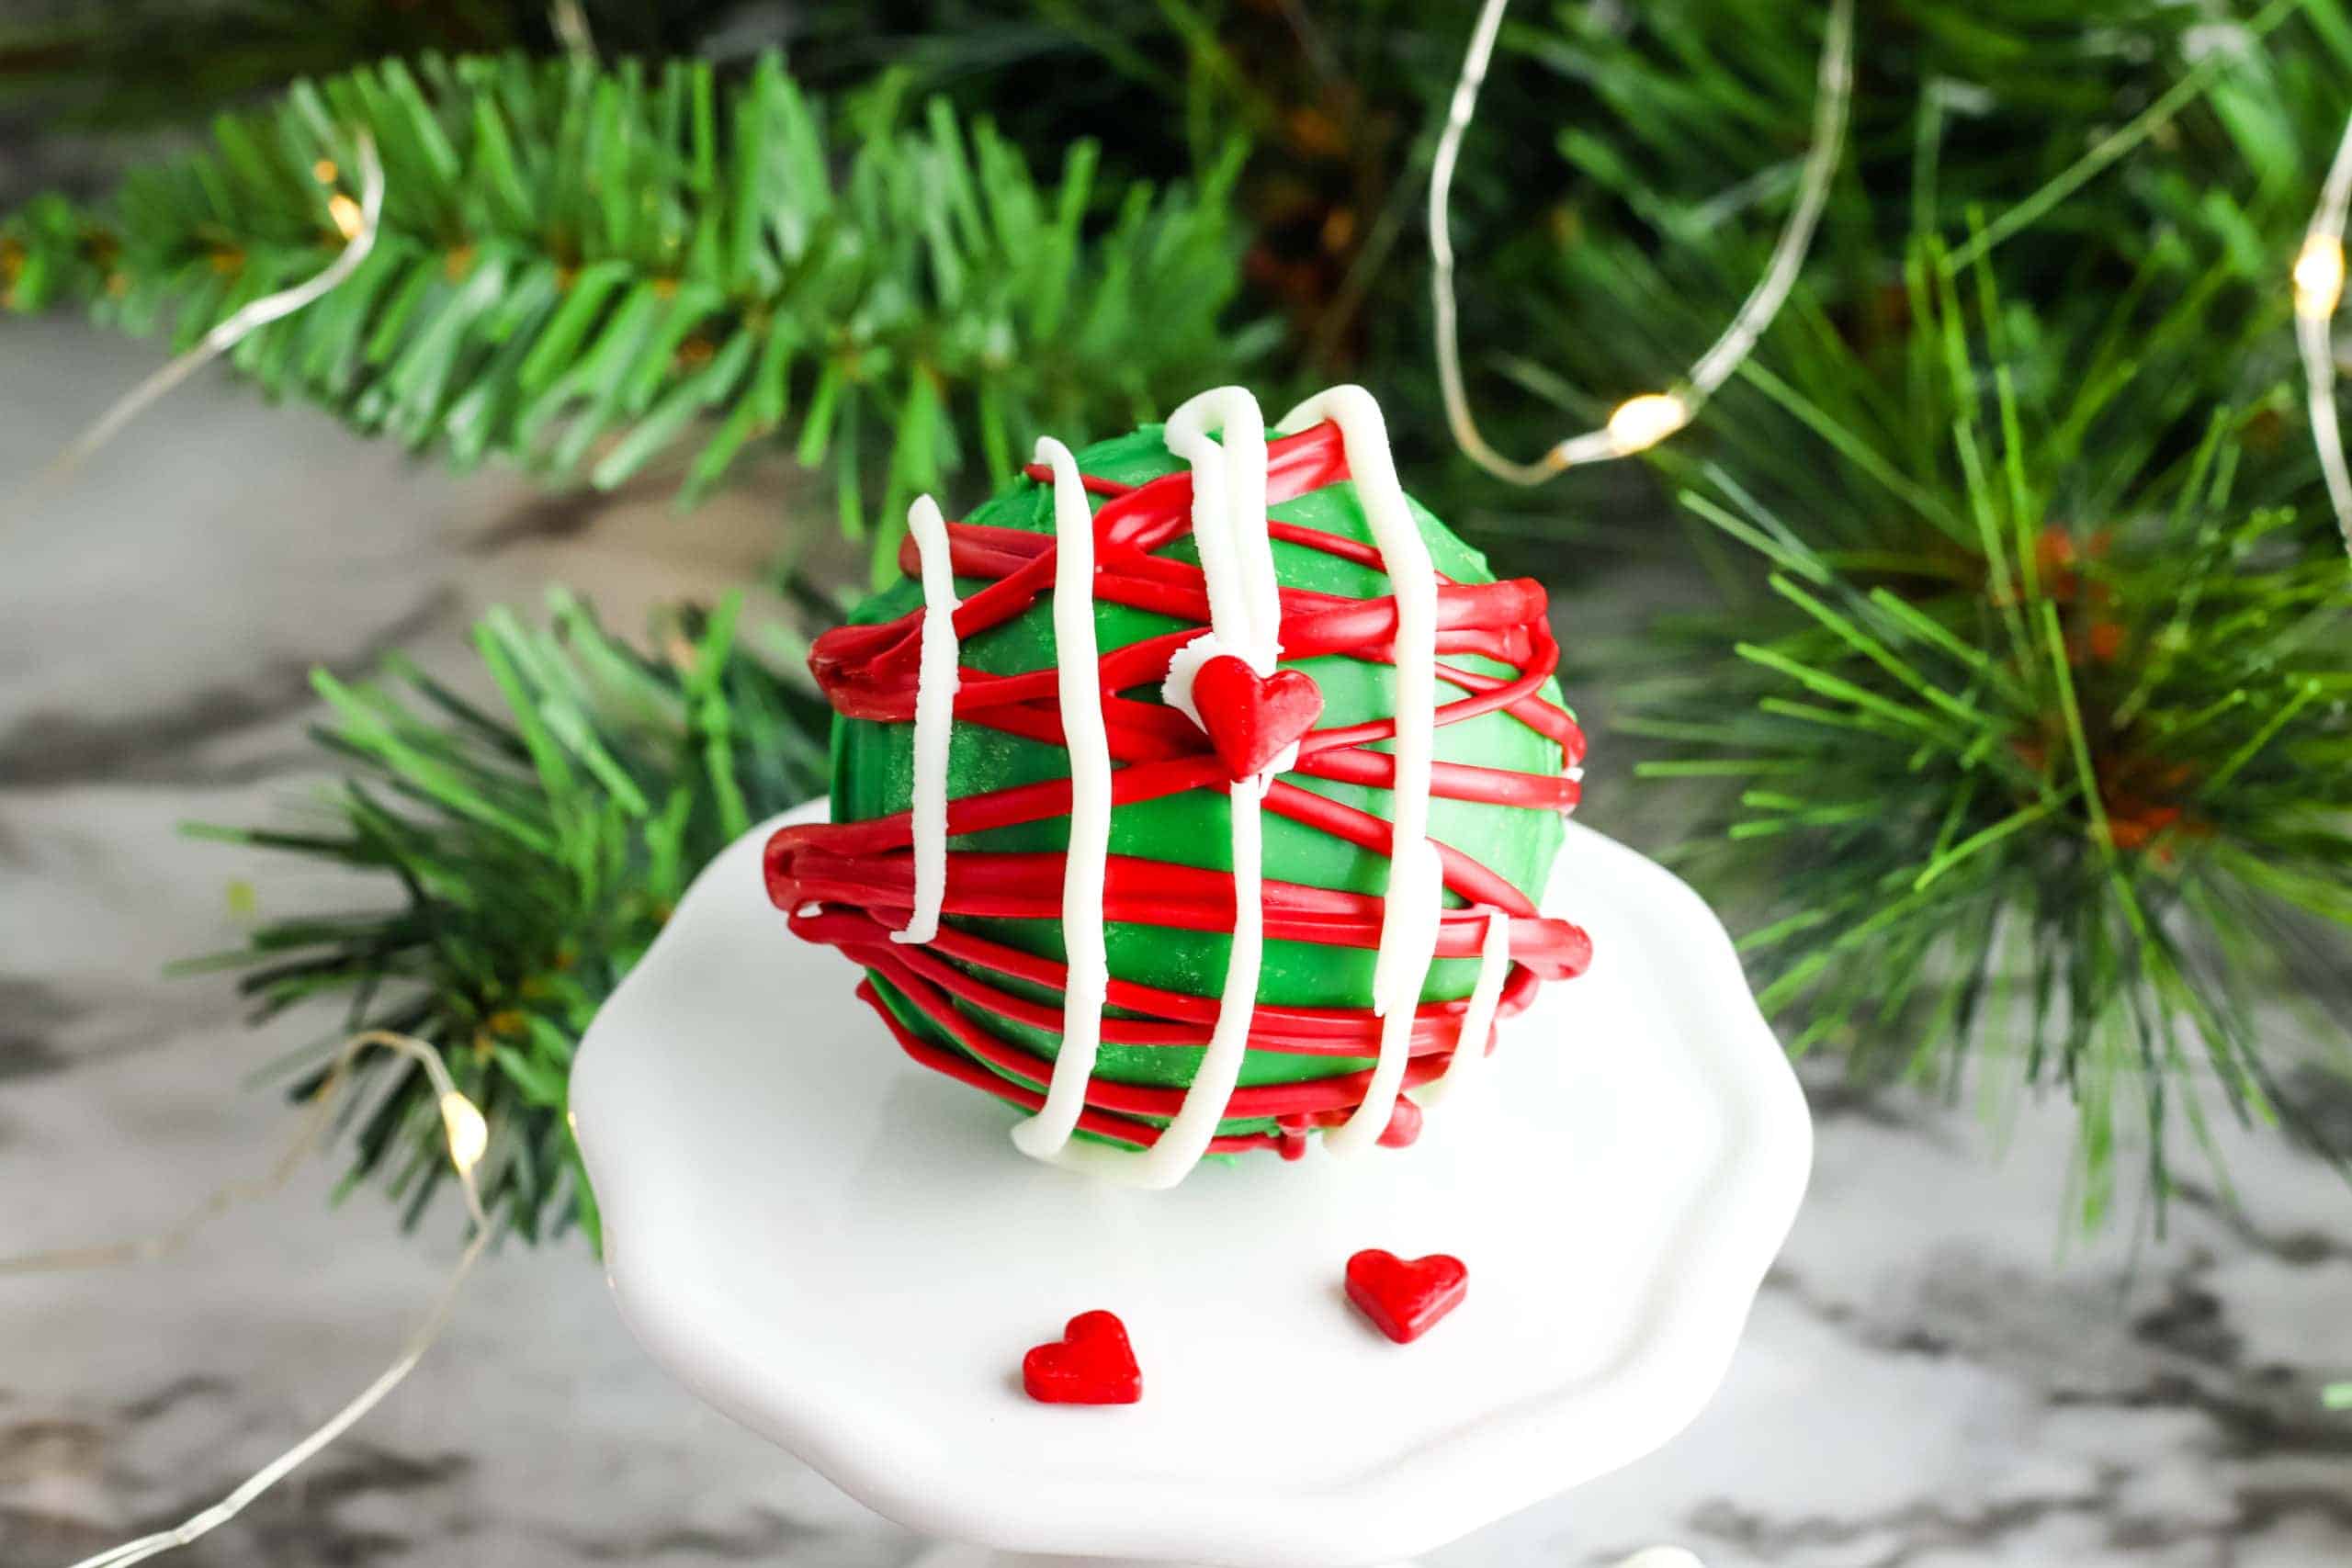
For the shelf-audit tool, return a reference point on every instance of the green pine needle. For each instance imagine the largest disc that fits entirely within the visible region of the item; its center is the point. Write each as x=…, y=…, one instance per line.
x=2082, y=794
x=531, y=854
x=588, y=267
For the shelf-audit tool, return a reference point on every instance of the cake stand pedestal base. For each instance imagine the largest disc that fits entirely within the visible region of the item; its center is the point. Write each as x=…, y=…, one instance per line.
x=846, y=1254
x=953, y=1555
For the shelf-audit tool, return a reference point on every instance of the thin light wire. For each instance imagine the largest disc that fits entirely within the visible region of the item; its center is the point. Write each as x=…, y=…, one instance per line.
x=466, y=1135
x=319, y=1115
x=2319, y=289
x=141, y=1248
x=1644, y=421
x=359, y=226
x=570, y=23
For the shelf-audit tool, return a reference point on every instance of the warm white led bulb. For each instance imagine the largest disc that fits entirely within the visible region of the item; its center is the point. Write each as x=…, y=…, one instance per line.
x=1642, y=423
x=468, y=1134
x=2319, y=277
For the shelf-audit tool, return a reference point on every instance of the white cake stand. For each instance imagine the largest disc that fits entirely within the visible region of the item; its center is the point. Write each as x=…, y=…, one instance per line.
x=845, y=1253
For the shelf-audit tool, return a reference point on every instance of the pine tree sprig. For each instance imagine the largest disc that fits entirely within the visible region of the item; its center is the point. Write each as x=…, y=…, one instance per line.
x=584, y=267
x=2060, y=774
x=532, y=854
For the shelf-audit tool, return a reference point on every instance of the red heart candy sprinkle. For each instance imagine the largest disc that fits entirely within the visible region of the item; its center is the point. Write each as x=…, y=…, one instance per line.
x=1251, y=718
x=1406, y=1300
x=1091, y=1364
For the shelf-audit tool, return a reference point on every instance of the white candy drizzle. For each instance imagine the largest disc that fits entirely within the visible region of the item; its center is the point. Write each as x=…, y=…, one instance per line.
x=937, y=680
x=1079, y=691
x=1229, y=519
x=1478, y=1016
x=1177, y=690
x=1244, y=617
x=1409, y=914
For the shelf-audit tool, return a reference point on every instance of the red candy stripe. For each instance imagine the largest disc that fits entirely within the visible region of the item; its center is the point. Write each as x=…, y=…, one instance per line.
x=850, y=885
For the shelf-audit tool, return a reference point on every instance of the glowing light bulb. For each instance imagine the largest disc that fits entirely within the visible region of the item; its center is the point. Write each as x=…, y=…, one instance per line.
x=1642, y=423
x=468, y=1134
x=2319, y=277
x=346, y=215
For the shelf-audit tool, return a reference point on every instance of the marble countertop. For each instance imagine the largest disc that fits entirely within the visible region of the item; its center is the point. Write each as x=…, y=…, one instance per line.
x=1936, y=1376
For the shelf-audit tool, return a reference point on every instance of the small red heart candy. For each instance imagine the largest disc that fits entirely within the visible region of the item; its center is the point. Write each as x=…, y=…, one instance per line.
x=1406, y=1300
x=1091, y=1364
x=1251, y=718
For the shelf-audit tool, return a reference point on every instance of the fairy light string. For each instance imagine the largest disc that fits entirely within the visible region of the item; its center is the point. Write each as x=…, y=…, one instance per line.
x=2318, y=278
x=465, y=1132
x=357, y=222
x=1639, y=422
x=467, y=1136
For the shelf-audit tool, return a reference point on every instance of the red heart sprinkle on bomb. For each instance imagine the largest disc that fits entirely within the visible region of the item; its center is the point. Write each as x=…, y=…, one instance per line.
x=1251, y=718
x=1406, y=1300
x=1091, y=1364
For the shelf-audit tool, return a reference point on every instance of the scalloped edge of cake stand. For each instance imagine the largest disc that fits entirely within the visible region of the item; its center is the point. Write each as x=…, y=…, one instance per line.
x=750, y=1357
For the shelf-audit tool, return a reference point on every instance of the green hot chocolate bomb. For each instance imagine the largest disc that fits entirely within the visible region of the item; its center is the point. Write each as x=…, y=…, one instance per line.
x=872, y=775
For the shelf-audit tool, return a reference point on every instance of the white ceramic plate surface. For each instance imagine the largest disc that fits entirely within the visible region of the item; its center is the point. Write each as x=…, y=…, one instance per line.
x=846, y=1253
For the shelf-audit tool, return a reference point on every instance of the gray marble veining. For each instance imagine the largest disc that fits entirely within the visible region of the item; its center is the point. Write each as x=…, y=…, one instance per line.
x=1934, y=1377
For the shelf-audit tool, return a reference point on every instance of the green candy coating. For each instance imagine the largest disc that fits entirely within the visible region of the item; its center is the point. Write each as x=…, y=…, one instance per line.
x=873, y=768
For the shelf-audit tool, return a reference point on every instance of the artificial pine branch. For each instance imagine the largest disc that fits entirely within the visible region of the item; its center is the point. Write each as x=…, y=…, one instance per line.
x=588, y=266
x=1684, y=122
x=2028, y=758
x=531, y=855
x=2038, y=756
x=99, y=64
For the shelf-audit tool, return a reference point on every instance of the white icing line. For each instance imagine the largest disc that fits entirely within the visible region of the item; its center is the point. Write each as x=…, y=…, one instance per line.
x=1245, y=613
x=1184, y=667
x=1415, y=887
x=1236, y=563
x=1184, y=1140
x=1417, y=919
x=1080, y=689
x=1229, y=519
x=1187, y=1138
x=936, y=681
x=1478, y=1017
x=1245, y=618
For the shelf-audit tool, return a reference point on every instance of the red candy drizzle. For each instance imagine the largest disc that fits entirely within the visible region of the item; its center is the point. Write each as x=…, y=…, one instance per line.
x=850, y=885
